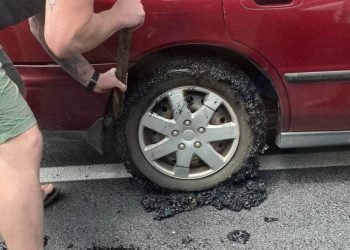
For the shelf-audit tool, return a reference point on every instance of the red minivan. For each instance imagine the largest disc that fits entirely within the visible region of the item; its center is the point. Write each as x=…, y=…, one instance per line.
x=207, y=79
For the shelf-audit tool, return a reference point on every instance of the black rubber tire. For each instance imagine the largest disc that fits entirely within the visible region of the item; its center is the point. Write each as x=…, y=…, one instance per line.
x=220, y=77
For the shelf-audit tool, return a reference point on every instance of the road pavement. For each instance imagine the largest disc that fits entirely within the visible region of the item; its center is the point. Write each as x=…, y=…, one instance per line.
x=101, y=209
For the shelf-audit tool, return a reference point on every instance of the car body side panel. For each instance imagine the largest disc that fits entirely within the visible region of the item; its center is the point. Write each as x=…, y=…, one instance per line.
x=167, y=22
x=181, y=22
x=172, y=23
x=302, y=36
x=60, y=103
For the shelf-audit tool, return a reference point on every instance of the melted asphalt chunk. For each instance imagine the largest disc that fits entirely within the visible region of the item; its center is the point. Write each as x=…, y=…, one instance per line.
x=46, y=240
x=239, y=236
x=270, y=219
x=234, y=195
x=187, y=240
x=245, y=189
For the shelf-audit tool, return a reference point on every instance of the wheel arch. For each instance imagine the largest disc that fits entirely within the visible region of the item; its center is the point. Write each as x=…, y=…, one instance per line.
x=266, y=88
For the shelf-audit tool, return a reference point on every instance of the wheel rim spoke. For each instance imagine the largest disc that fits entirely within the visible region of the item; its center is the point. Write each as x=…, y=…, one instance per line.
x=212, y=101
x=158, y=123
x=183, y=161
x=181, y=172
x=212, y=158
x=160, y=149
x=179, y=104
x=203, y=116
x=184, y=158
x=226, y=131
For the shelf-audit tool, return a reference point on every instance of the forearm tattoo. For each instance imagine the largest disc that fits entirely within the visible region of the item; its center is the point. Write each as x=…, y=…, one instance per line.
x=77, y=66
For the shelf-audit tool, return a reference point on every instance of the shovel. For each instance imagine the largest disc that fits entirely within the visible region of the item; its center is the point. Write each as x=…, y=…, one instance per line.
x=93, y=135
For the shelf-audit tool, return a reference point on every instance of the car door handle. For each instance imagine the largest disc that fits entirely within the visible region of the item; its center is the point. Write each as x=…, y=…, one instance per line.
x=267, y=4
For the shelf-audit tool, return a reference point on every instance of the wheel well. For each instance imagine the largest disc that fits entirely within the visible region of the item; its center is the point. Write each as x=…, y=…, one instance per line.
x=263, y=84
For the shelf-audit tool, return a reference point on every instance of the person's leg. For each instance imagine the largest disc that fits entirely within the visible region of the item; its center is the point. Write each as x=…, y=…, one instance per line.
x=12, y=73
x=21, y=202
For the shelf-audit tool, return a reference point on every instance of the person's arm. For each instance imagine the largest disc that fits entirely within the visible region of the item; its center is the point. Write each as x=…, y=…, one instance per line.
x=76, y=65
x=72, y=27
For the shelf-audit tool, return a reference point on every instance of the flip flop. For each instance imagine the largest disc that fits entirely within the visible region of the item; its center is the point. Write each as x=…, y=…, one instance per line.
x=2, y=245
x=51, y=197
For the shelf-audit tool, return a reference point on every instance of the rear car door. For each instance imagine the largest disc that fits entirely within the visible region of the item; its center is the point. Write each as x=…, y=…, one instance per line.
x=307, y=42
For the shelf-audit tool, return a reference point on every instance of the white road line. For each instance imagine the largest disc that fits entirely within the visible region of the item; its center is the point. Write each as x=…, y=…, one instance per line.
x=81, y=173
x=268, y=162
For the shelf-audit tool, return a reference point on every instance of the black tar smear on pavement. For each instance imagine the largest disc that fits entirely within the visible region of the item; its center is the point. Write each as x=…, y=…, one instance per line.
x=245, y=189
x=187, y=240
x=239, y=236
x=234, y=195
x=270, y=219
x=46, y=239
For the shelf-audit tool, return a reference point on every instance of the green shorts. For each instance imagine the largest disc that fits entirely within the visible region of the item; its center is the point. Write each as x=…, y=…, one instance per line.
x=15, y=115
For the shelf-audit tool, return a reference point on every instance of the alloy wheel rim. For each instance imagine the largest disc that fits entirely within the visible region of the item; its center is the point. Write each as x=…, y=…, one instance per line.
x=189, y=132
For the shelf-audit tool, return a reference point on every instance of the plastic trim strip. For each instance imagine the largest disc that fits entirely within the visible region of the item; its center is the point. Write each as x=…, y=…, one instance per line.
x=312, y=139
x=321, y=76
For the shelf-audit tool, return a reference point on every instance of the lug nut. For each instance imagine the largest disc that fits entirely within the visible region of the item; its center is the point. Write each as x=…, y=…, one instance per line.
x=175, y=133
x=182, y=146
x=187, y=122
x=197, y=144
x=201, y=130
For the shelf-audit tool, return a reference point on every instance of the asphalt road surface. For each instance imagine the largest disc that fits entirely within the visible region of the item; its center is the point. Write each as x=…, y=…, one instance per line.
x=100, y=207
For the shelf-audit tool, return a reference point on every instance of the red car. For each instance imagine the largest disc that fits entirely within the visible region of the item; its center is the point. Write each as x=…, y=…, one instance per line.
x=204, y=77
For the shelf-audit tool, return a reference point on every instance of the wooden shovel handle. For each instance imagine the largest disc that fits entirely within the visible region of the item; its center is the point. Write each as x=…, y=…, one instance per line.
x=123, y=53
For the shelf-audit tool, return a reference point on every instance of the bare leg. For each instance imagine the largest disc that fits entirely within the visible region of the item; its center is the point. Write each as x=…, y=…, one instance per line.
x=21, y=198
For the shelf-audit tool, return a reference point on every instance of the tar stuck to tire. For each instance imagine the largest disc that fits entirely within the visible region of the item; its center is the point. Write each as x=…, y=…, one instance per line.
x=199, y=67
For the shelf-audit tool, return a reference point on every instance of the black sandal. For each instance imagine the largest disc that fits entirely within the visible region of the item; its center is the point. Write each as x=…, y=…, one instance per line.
x=51, y=197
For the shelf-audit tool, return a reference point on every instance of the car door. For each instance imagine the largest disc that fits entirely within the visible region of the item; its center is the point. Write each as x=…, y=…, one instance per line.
x=307, y=42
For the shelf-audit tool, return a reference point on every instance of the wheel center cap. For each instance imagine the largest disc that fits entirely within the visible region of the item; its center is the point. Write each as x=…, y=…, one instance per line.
x=188, y=135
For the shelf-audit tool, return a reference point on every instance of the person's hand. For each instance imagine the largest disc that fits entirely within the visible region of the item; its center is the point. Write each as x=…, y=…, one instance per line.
x=130, y=13
x=108, y=81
